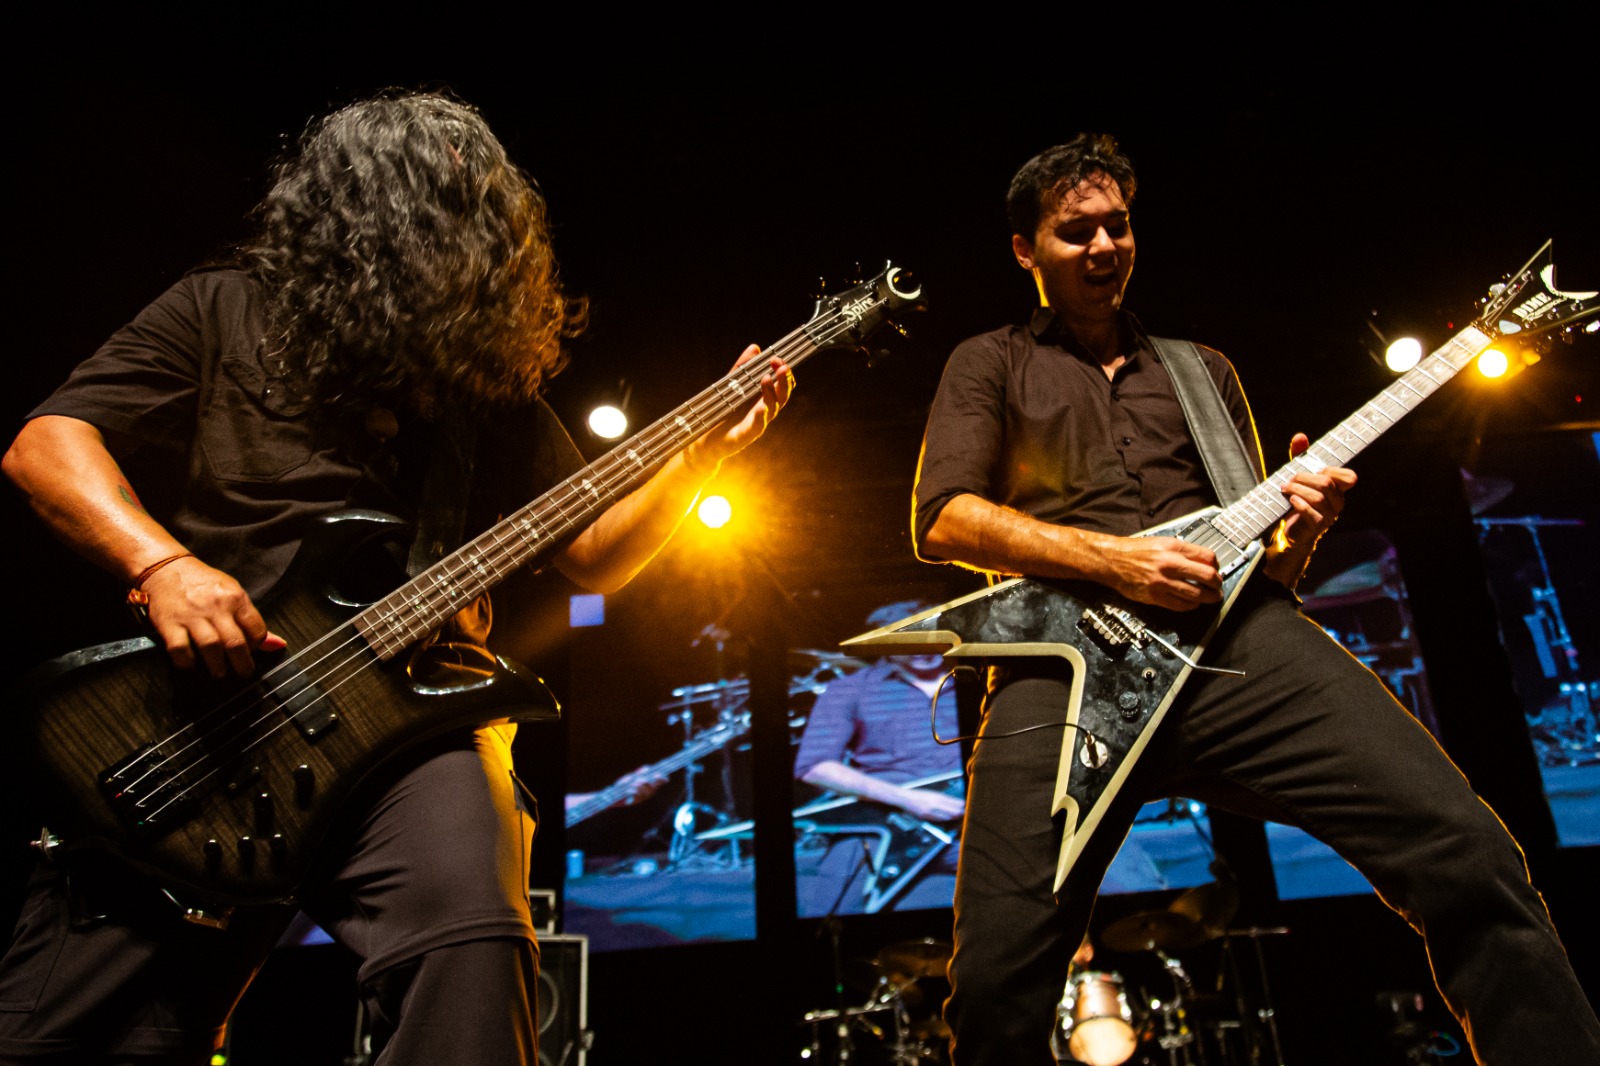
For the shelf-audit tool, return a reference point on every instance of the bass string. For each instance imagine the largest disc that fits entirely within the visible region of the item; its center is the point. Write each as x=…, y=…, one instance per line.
x=565, y=506
x=793, y=349
x=208, y=729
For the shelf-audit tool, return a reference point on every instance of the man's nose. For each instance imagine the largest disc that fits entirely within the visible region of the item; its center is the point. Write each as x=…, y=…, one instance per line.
x=1101, y=242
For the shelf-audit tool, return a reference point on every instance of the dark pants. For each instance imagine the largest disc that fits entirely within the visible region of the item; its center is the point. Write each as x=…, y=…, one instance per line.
x=1310, y=739
x=430, y=890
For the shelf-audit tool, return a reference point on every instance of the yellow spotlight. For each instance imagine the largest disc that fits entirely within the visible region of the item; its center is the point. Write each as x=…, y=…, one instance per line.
x=1492, y=363
x=607, y=422
x=1403, y=354
x=715, y=511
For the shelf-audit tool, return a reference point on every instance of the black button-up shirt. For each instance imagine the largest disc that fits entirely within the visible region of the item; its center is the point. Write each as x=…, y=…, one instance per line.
x=1025, y=417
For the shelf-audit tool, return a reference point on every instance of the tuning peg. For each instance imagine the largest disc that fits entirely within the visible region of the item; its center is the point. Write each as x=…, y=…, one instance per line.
x=898, y=328
x=855, y=275
x=821, y=289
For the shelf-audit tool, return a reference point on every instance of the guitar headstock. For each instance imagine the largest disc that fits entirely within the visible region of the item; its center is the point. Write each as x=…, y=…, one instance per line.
x=1527, y=305
x=846, y=320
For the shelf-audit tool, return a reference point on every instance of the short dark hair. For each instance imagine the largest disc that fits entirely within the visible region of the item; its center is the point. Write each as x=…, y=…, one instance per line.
x=1043, y=180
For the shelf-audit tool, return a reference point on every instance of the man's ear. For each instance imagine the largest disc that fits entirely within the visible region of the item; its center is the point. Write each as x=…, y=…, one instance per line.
x=1022, y=248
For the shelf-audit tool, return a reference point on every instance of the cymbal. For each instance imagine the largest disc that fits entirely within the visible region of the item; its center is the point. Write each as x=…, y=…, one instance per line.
x=1483, y=493
x=1211, y=907
x=916, y=958
x=1151, y=931
x=1361, y=583
x=872, y=980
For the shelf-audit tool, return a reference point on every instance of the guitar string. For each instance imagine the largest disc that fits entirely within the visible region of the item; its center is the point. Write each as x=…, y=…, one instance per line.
x=794, y=348
x=1265, y=504
x=789, y=348
x=383, y=632
x=451, y=579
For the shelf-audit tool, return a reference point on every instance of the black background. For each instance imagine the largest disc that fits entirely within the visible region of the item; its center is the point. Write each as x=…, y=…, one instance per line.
x=1286, y=199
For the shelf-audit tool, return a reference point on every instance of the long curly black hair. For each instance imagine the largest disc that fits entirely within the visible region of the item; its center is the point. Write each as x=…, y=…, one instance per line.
x=403, y=253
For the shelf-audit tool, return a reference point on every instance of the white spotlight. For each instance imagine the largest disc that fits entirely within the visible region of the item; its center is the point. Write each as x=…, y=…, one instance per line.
x=715, y=511
x=607, y=422
x=1403, y=354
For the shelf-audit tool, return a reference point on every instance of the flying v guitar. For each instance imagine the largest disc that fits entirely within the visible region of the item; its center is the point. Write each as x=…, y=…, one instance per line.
x=223, y=792
x=1129, y=660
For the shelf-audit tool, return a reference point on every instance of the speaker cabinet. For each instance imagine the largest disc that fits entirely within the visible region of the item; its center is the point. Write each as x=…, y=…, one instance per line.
x=563, y=999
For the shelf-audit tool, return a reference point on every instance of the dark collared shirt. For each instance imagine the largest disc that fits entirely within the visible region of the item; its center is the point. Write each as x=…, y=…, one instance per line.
x=1025, y=417
x=878, y=722
x=182, y=392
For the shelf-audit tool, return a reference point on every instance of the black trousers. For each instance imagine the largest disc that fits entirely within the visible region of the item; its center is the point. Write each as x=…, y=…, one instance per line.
x=428, y=885
x=1311, y=739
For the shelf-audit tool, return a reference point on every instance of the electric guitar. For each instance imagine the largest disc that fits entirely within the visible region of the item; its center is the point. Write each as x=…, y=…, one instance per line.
x=899, y=845
x=1129, y=660
x=223, y=791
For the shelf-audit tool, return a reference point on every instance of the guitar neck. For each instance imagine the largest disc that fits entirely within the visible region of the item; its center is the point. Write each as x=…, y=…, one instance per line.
x=1258, y=510
x=537, y=530
x=701, y=746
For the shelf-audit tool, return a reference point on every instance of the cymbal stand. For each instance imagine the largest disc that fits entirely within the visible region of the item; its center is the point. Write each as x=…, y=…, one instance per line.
x=1177, y=1039
x=1266, y=1013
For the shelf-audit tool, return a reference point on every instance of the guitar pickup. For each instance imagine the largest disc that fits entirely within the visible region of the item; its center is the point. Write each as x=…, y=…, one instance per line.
x=301, y=702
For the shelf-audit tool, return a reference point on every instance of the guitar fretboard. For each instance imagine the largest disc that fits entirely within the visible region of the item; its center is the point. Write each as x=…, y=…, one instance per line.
x=538, y=529
x=1259, y=510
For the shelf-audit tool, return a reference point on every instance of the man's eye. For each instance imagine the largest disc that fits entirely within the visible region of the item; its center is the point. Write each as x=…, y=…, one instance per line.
x=1115, y=230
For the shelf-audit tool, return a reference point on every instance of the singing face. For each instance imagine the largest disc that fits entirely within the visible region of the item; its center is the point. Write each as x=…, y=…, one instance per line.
x=1082, y=252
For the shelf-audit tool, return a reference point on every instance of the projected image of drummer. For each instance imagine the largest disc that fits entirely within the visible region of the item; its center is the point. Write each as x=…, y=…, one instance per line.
x=883, y=834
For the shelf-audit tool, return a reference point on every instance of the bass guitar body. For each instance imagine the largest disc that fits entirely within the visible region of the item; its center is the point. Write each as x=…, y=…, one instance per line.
x=224, y=789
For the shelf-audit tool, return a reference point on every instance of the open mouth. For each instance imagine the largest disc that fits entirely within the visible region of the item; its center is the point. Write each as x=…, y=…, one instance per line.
x=1101, y=277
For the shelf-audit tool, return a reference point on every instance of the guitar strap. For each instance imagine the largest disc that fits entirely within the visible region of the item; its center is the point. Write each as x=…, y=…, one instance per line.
x=1226, y=460
x=446, y=484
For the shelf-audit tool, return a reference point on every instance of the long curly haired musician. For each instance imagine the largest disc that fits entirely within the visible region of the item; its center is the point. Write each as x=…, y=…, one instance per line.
x=401, y=250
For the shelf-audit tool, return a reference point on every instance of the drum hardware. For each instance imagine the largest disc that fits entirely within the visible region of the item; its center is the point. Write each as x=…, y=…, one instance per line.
x=1095, y=1023
x=908, y=1041
x=1566, y=729
x=1187, y=1027
x=1266, y=1013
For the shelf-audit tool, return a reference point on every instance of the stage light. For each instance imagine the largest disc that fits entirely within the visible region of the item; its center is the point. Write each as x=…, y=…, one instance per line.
x=1492, y=363
x=1403, y=354
x=714, y=511
x=607, y=422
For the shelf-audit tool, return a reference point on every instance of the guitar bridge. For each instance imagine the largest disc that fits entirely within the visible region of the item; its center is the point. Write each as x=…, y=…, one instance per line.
x=1115, y=627
x=145, y=791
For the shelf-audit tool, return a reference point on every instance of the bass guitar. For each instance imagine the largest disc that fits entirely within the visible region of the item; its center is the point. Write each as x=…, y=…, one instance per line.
x=223, y=791
x=1129, y=660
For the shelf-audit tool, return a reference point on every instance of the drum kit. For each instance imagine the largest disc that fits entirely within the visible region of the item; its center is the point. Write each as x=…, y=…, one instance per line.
x=1105, y=1020
x=891, y=1018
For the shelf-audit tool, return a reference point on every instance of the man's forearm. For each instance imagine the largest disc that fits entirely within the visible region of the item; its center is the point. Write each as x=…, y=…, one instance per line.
x=983, y=535
x=632, y=531
x=76, y=488
x=1163, y=571
x=835, y=776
